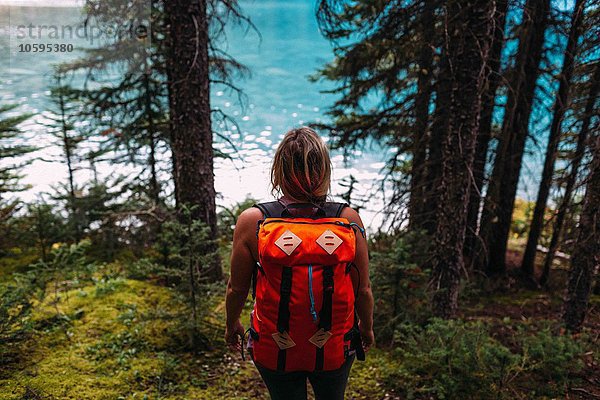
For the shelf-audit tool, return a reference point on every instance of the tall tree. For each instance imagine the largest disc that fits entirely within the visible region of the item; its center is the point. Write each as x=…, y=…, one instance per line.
x=488, y=104
x=582, y=138
x=421, y=112
x=561, y=104
x=502, y=188
x=189, y=104
x=468, y=36
x=127, y=98
x=585, y=261
x=384, y=77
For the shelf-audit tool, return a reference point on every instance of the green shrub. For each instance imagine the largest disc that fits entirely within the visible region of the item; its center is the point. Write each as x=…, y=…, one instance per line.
x=398, y=284
x=453, y=359
x=553, y=358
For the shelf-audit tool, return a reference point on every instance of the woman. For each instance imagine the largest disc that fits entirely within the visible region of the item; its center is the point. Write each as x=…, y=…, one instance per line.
x=301, y=173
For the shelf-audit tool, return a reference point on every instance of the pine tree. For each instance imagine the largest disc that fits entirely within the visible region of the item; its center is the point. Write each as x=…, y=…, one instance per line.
x=124, y=95
x=385, y=81
x=62, y=127
x=421, y=115
x=488, y=104
x=571, y=180
x=10, y=149
x=189, y=100
x=462, y=78
x=502, y=187
x=560, y=107
x=586, y=252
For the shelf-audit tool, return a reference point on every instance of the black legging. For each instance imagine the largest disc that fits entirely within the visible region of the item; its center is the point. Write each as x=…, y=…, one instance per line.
x=327, y=385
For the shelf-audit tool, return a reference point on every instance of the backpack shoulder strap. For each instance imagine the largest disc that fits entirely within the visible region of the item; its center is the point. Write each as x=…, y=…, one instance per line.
x=334, y=210
x=275, y=209
x=270, y=209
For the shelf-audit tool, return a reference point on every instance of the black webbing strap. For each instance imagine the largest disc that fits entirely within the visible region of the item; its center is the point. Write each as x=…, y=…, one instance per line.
x=334, y=209
x=274, y=209
x=353, y=335
x=270, y=209
x=325, y=313
x=283, y=317
x=257, y=267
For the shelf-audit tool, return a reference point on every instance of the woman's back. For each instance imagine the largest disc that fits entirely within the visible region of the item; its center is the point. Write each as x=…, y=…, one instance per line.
x=301, y=273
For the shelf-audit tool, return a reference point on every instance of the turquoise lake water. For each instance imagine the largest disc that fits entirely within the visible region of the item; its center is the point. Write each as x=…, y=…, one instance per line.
x=279, y=97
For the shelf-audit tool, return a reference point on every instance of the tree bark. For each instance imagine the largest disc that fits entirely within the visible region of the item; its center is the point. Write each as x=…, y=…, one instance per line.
x=502, y=188
x=488, y=103
x=561, y=213
x=586, y=254
x=560, y=106
x=463, y=71
x=188, y=76
x=422, y=101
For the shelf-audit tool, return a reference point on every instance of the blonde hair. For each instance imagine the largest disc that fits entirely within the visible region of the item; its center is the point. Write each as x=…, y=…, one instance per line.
x=301, y=166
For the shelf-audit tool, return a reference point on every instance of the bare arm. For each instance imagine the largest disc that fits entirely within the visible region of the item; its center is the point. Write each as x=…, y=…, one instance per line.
x=364, y=301
x=242, y=265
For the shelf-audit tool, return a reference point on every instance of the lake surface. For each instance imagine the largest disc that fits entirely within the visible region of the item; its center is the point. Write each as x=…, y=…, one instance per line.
x=279, y=97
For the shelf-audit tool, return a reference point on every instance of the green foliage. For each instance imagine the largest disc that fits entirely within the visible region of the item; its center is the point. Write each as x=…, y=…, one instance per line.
x=398, y=283
x=66, y=260
x=43, y=226
x=15, y=308
x=9, y=150
x=228, y=217
x=185, y=247
x=521, y=218
x=449, y=359
x=552, y=357
x=452, y=359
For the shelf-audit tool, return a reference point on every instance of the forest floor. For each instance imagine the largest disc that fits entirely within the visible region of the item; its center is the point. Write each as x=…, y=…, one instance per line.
x=117, y=338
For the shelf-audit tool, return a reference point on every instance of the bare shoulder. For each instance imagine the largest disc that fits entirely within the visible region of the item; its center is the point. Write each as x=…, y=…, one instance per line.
x=248, y=218
x=352, y=215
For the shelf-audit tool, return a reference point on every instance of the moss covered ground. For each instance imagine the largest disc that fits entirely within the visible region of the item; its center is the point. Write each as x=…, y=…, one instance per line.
x=117, y=338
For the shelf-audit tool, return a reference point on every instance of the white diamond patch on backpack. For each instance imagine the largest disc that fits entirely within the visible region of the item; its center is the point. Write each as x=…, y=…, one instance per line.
x=320, y=338
x=329, y=241
x=283, y=340
x=288, y=242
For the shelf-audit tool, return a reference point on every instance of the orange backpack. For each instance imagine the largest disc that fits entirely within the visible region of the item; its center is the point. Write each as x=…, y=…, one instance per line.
x=304, y=317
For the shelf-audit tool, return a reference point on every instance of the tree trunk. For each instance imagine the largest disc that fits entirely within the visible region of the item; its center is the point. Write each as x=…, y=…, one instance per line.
x=422, y=100
x=560, y=106
x=67, y=143
x=586, y=254
x=188, y=75
x=561, y=213
x=463, y=70
x=154, y=184
x=488, y=102
x=502, y=188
